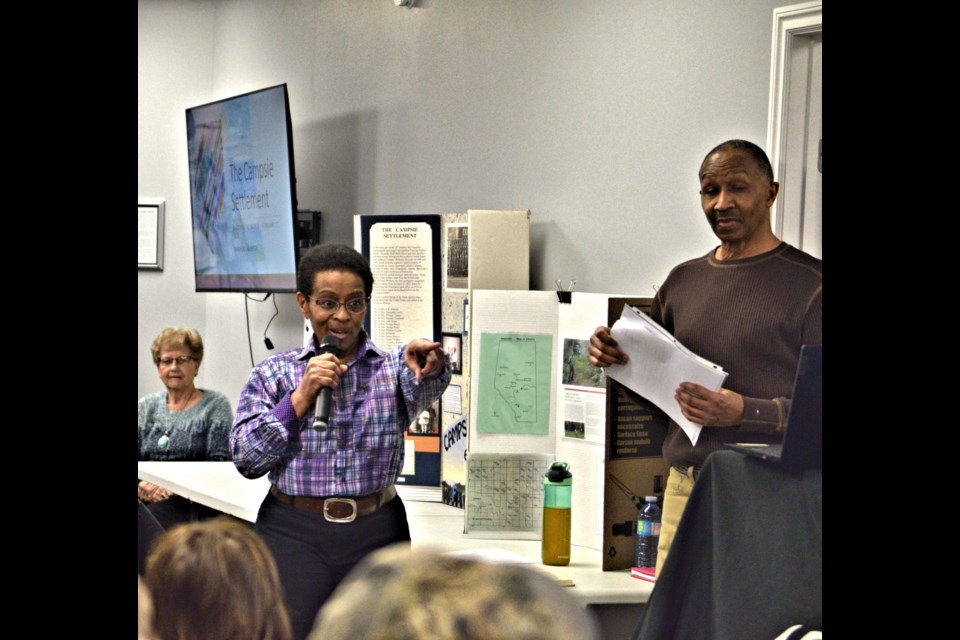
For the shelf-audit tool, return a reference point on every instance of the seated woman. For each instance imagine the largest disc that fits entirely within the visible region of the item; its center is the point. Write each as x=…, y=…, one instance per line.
x=181, y=423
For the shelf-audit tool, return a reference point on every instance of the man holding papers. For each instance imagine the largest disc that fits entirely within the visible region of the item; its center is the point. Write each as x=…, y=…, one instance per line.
x=748, y=306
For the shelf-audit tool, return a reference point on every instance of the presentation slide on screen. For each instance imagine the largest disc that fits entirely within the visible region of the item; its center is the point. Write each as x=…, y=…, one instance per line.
x=240, y=193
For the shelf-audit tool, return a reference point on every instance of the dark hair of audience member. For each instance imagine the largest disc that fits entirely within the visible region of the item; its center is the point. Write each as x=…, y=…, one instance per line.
x=144, y=612
x=215, y=580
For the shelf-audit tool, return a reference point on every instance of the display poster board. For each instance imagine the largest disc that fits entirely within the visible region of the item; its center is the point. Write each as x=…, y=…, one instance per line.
x=490, y=249
x=519, y=322
x=611, y=462
x=404, y=255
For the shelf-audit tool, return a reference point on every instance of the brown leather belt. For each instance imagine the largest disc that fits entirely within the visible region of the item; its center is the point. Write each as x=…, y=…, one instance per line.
x=338, y=509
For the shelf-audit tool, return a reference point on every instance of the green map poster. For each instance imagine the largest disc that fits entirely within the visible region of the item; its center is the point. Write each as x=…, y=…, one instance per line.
x=514, y=393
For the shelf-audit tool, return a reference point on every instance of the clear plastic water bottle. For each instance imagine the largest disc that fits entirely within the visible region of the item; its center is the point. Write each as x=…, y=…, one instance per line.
x=557, y=489
x=648, y=533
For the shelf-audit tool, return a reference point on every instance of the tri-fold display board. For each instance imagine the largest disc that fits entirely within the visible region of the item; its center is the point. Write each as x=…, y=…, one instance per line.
x=538, y=398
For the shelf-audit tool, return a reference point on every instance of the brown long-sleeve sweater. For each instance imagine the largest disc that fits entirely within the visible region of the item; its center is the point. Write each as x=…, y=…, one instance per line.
x=751, y=317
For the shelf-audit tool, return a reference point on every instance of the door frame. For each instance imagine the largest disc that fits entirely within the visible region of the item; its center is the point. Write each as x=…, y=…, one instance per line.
x=790, y=21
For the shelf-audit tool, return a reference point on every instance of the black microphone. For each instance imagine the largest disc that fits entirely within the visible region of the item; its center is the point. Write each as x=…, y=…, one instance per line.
x=330, y=344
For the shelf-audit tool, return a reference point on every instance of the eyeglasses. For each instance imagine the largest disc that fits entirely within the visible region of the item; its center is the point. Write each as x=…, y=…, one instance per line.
x=180, y=360
x=353, y=305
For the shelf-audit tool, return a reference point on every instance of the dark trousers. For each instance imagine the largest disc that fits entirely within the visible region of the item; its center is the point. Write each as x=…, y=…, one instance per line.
x=314, y=555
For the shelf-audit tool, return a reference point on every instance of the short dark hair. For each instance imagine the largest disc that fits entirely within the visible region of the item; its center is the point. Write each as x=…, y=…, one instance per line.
x=332, y=257
x=759, y=155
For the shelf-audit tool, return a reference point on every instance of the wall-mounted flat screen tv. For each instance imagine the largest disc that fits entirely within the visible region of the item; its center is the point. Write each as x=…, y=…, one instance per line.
x=243, y=193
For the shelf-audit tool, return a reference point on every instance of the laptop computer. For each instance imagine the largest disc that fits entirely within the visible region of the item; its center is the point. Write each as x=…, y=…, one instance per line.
x=802, y=446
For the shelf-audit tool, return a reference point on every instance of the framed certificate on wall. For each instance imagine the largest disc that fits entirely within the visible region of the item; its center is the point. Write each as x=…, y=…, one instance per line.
x=150, y=233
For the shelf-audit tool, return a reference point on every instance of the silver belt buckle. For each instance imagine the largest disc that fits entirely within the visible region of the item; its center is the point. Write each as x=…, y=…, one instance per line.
x=340, y=509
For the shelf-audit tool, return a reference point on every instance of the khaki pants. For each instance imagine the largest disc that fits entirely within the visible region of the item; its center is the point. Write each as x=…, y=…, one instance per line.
x=675, y=498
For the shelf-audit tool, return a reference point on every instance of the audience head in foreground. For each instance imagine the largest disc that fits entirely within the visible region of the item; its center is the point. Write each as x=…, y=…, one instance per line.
x=144, y=612
x=213, y=580
x=402, y=594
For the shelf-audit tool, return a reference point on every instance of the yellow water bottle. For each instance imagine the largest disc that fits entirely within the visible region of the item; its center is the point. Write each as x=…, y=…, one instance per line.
x=557, y=490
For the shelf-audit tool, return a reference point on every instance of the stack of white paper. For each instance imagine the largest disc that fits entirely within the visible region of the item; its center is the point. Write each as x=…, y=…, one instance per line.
x=658, y=364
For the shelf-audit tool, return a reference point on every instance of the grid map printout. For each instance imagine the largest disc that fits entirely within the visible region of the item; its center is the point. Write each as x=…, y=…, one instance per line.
x=505, y=491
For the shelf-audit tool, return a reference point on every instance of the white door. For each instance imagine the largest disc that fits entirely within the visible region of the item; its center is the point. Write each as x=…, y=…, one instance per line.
x=795, y=131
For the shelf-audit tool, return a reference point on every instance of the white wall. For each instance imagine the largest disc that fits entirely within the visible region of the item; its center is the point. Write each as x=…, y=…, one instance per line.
x=174, y=71
x=594, y=115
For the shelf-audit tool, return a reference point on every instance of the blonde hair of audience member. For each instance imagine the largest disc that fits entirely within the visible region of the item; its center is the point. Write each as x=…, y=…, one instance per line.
x=176, y=337
x=213, y=580
x=144, y=612
x=402, y=594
